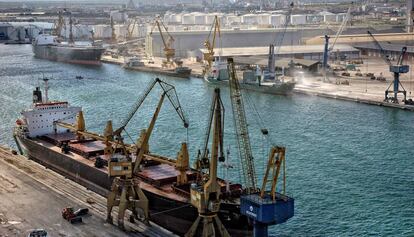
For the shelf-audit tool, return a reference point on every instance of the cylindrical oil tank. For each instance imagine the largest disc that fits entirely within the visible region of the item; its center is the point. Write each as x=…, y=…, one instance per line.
x=298, y=19
x=188, y=19
x=277, y=20
x=200, y=19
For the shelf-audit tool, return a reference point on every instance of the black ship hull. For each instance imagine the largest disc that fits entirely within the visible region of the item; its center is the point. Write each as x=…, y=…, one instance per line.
x=88, y=55
x=173, y=215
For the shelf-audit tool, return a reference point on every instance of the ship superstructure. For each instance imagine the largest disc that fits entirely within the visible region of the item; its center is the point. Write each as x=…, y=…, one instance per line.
x=38, y=119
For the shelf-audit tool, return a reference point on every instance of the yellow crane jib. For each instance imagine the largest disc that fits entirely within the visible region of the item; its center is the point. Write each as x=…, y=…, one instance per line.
x=169, y=51
x=205, y=196
x=215, y=29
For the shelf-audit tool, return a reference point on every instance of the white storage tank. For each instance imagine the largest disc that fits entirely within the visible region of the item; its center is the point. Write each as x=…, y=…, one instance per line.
x=298, y=19
x=188, y=19
x=340, y=17
x=200, y=19
x=250, y=19
x=233, y=20
x=264, y=19
x=176, y=17
x=328, y=17
x=277, y=20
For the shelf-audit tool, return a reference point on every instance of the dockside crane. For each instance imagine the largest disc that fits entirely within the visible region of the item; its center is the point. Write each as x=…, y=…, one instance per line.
x=263, y=207
x=329, y=48
x=278, y=44
x=169, y=51
x=242, y=132
x=396, y=70
x=205, y=195
x=210, y=44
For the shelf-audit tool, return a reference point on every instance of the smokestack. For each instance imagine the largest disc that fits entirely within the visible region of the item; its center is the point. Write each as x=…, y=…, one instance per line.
x=410, y=14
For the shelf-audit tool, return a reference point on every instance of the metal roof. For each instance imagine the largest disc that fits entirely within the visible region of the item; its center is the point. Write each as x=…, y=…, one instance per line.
x=291, y=49
x=283, y=62
x=386, y=46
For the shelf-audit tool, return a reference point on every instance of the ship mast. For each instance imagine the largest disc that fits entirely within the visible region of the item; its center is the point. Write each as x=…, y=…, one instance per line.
x=71, y=41
x=46, y=89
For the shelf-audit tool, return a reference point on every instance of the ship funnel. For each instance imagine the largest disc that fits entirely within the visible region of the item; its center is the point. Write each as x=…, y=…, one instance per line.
x=37, y=95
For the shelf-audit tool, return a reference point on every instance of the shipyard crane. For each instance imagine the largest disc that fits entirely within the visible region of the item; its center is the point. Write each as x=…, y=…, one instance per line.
x=130, y=29
x=396, y=70
x=242, y=133
x=205, y=195
x=209, y=55
x=328, y=48
x=169, y=51
x=278, y=44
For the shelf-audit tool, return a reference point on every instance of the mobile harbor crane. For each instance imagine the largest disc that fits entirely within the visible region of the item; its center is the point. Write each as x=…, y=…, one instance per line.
x=396, y=70
x=263, y=207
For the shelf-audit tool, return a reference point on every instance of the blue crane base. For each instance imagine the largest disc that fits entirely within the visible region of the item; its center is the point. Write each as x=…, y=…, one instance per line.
x=265, y=211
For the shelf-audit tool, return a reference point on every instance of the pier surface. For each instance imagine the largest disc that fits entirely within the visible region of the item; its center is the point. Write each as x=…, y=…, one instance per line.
x=32, y=197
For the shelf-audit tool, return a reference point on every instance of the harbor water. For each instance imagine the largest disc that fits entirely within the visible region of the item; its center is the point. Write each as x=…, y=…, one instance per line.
x=350, y=167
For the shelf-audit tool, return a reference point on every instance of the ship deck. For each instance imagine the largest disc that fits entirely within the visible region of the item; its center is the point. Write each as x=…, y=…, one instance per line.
x=27, y=187
x=157, y=178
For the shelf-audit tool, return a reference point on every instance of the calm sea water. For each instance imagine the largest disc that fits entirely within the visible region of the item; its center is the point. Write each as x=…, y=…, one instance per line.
x=350, y=166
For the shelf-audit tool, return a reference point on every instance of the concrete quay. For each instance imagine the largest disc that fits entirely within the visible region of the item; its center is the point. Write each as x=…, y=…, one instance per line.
x=32, y=197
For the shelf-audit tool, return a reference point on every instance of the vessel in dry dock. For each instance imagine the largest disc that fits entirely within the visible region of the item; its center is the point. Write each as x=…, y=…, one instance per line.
x=83, y=159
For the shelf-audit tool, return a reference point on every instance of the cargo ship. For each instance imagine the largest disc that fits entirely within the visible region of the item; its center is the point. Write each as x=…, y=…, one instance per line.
x=137, y=64
x=84, y=161
x=48, y=47
x=219, y=75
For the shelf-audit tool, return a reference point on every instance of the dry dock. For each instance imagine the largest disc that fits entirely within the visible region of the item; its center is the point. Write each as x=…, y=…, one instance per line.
x=33, y=197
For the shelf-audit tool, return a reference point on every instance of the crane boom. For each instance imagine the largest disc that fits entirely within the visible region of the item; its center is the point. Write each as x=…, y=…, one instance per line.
x=242, y=133
x=171, y=94
x=382, y=51
x=341, y=28
x=215, y=29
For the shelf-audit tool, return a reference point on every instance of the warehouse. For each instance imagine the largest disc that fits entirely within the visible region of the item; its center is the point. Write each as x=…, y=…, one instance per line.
x=310, y=52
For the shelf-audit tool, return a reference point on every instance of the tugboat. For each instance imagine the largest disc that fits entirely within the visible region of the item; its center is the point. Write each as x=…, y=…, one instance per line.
x=82, y=156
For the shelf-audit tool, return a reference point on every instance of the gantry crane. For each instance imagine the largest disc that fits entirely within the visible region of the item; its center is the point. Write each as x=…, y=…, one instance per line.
x=242, y=133
x=209, y=45
x=205, y=195
x=396, y=70
x=169, y=51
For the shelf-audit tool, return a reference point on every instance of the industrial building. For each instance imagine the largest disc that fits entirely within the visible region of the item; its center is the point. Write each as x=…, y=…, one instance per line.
x=187, y=42
x=309, y=52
